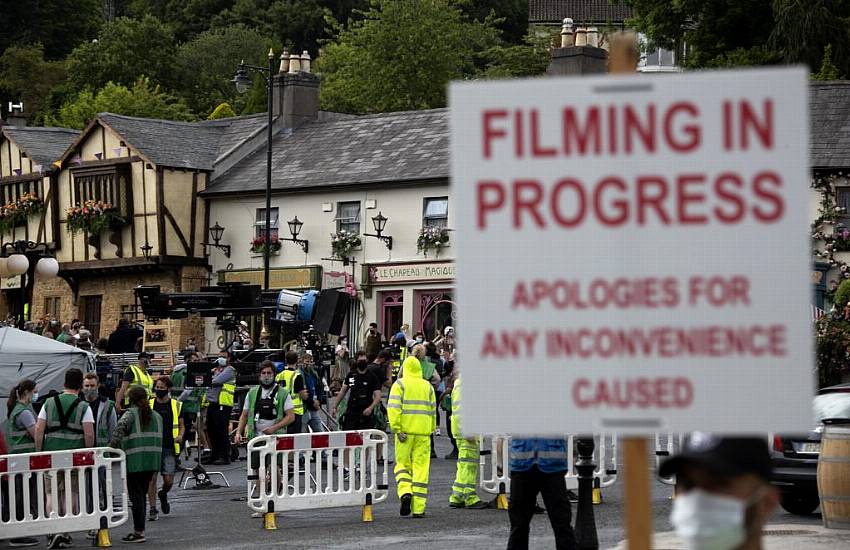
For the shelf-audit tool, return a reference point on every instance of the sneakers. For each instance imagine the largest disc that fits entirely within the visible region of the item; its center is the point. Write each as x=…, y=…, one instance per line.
x=418, y=516
x=91, y=535
x=163, y=502
x=456, y=505
x=480, y=505
x=59, y=541
x=437, y=431
x=405, y=505
x=23, y=541
x=572, y=496
x=153, y=514
x=133, y=538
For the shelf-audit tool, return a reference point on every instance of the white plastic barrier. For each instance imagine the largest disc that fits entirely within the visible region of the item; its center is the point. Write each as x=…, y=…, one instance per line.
x=62, y=491
x=495, y=462
x=666, y=445
x=317, y=470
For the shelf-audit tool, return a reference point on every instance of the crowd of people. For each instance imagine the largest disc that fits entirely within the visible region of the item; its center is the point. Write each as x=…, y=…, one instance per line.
x=126, y=338
x=399, y=386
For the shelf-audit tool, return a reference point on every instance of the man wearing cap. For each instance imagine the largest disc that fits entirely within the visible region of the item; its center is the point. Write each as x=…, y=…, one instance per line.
x=724, y=496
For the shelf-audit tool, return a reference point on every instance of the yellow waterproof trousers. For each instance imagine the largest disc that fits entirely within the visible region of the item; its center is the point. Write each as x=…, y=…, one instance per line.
x=466, y=479
x=412, y=469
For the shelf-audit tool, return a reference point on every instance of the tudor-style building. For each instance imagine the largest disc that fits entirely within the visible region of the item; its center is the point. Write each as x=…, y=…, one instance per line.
x=27, y=170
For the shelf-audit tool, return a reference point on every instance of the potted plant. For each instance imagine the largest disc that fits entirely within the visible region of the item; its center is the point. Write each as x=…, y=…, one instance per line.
x=30, y=204
x=258, y=245
x=93, y=217
x=11, y=216
x=342, y=243
x=432, y=238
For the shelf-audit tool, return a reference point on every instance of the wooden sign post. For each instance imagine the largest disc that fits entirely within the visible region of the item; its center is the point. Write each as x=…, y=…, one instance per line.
x=623, y=58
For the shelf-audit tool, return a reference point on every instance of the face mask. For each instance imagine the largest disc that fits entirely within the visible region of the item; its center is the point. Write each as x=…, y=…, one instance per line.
x=419, y=339
x=707, y=521
x=222, y=362
x=160, y=393
x=34, y=396
x=266, y=381
x=90, y=394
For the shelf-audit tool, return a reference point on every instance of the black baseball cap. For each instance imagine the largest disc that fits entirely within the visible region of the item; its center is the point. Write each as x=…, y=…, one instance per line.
x=726, y=456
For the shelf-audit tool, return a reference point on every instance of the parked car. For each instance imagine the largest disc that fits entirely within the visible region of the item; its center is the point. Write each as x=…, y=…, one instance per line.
x=795, y=456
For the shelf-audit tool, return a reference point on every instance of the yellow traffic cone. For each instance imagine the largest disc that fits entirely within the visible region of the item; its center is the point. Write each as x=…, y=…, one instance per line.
x=103, y=538
x=367, y=509
x=502, y=498
x=597, y=492
x=269, y=520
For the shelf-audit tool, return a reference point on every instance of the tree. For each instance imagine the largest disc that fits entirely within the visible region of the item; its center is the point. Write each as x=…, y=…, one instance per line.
x=58, y=25
x=715, y=31
x=125, y=49
x=513, y=15
x=531, y=58
x=805, y=28
x=402, y=55
x=298, y=24
x=224, y=110
x=828, y=70
x=205, y=66
x=142, y=100
x=26, y=76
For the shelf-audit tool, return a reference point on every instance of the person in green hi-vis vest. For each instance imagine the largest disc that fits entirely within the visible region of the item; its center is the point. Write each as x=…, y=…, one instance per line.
x=64, y=423
x=139, y=435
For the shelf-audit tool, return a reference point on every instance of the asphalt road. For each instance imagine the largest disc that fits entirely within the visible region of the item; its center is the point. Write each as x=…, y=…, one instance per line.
x=219, y=519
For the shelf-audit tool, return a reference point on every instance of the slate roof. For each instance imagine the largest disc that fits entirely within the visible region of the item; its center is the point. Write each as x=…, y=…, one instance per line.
x=389, y=147
x=194, y=145
x=580, y=11
x=42, y=145
x=829, y=107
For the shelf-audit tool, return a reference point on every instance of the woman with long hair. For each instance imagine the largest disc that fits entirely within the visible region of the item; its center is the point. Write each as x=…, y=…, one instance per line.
x=20, y=429
x=139, y=435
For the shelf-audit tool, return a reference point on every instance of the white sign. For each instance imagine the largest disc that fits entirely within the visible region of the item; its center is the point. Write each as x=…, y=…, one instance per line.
x=633, y=253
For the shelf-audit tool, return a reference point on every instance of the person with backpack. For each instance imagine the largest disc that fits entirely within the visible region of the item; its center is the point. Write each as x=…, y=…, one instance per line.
x=139, y=435
x=173, y=429
x=363, y=390
x=268, y=408
x=65, y=422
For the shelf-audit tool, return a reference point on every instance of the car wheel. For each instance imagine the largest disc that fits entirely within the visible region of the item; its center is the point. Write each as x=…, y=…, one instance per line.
x=801, y=504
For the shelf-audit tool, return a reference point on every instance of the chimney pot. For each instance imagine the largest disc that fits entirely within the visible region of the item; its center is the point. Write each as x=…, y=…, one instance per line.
x=305, y=61
x=567, y=37
x=593, y=37
x=284, y=62
x=294, y=63
x=581, y=36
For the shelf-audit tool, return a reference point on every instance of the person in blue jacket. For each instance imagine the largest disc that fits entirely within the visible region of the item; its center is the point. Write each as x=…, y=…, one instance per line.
x=538, y=466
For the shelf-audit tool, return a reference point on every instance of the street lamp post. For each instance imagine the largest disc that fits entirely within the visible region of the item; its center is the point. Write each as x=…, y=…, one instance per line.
x=243, y=82
x=26, y=258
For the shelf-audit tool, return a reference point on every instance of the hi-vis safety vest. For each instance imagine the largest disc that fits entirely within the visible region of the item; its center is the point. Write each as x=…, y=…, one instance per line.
x=143, y=445
x=254, y=394
x=19, y=439
x=65, y=413
x=412, y=407
x=288, y=378
x=176, y=407
x=140, y=378
x=101, y=423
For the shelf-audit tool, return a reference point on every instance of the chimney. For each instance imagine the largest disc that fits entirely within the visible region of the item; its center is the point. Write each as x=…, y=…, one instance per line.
x=15, y=115
x=296, y=91
x=578, y=54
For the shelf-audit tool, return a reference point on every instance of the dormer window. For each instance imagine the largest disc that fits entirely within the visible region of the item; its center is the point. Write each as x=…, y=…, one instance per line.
x=113, y=184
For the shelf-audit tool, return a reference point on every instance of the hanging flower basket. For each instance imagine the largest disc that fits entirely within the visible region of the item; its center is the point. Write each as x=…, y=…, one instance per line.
x=432, y=238
x=16, y=213
x=93, y=217
x=258, y=245
x=343, y=242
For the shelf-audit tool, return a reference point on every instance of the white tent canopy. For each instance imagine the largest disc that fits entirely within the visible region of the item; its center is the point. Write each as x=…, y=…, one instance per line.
x=27, y=355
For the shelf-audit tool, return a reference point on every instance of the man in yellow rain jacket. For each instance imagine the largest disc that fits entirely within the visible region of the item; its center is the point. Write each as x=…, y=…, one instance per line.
x=412, y=413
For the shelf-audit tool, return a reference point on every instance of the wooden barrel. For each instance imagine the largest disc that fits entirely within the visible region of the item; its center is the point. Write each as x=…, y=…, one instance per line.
x=834, y=476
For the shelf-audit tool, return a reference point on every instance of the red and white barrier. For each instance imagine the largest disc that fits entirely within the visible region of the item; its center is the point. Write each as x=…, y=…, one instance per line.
x=494, y=473
x=60, y=491
x=317, y=470
x=666, y=445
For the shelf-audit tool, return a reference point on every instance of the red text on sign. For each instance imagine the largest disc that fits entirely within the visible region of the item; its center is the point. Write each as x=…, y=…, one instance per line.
x=631, y=393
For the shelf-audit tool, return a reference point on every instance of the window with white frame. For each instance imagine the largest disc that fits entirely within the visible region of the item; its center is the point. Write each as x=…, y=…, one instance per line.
x=436, y=212
x=260, y=224
x=348, y=217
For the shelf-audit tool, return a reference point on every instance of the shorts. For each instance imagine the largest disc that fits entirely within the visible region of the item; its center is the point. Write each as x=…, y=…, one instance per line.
x=168, y=463
x=295, y=427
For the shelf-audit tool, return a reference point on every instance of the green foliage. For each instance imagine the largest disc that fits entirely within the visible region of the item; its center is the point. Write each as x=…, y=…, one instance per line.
x=523, y=60
x=59, y=25
x=26, y=76
x=828, y=70
x=256, y=99
x=224, y=110
x=125, y=49
x=832, y=349
x=512, y=14
x=142, y=100
x=205, y=66
x=804, y=29
x=842, y=295
x=401, y=55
